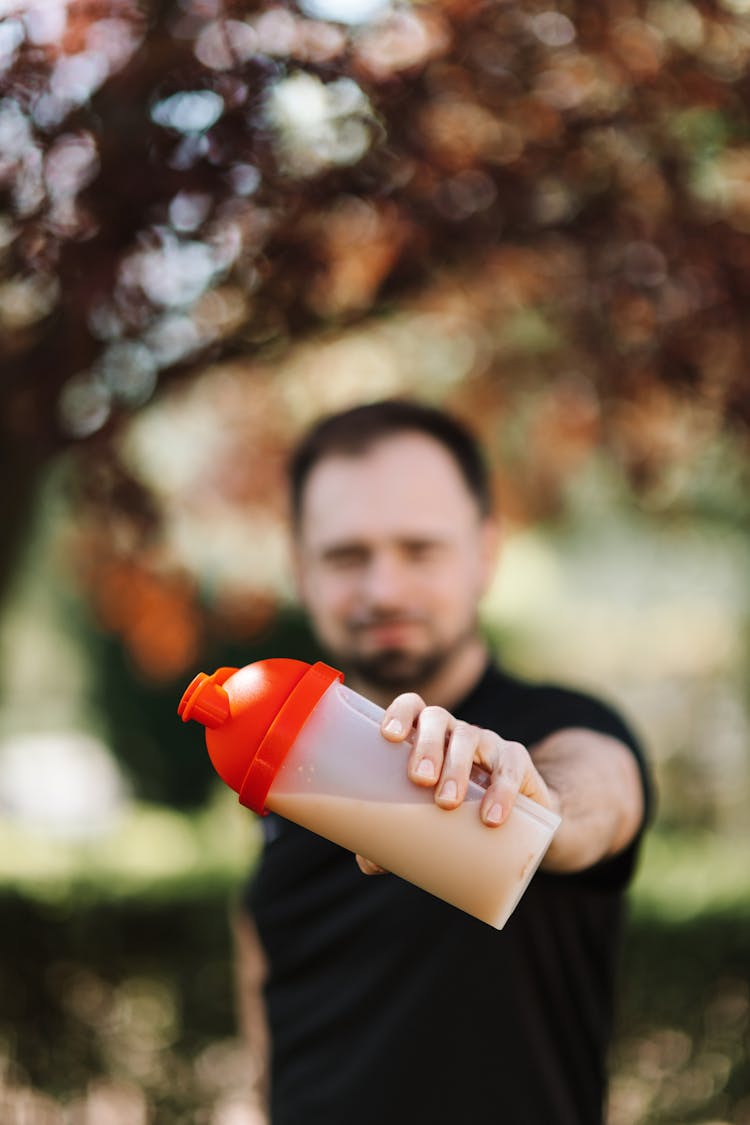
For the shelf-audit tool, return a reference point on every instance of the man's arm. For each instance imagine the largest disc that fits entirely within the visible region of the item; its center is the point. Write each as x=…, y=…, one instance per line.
x=596, y=787
x=592, y=780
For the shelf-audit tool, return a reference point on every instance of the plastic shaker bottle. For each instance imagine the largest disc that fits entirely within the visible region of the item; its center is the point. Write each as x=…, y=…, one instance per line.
x=290, y=737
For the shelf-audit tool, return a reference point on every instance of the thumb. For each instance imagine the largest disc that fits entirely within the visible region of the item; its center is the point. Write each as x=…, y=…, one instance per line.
x=367, y=867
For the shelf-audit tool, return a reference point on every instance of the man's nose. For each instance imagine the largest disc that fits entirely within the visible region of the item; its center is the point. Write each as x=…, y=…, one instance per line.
x=385, y=580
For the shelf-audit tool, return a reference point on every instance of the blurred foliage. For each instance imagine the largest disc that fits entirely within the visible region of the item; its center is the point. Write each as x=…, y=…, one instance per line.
x=164, y=760
x=536, y=214
x=197, y=173
x=148, y=851
x=682, y=1054
x=121, y=1011
x=220, y=217
x=117, y=995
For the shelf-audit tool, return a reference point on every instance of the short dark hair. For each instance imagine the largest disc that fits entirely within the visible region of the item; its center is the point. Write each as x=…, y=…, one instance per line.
x=354, y=431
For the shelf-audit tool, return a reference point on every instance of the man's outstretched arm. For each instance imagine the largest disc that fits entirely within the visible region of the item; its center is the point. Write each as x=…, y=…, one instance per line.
x=597, y=789
x=592, y=780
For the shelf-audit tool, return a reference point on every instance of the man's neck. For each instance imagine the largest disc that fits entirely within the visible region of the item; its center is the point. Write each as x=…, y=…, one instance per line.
x=445, y=689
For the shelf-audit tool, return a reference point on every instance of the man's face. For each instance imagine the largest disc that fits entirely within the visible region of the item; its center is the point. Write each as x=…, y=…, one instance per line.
x=392, y=557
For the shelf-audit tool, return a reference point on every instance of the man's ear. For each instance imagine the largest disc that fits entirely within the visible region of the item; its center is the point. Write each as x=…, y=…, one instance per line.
x=490, y=544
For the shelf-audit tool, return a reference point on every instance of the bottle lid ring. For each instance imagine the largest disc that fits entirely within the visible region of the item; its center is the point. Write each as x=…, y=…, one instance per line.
x=282, y=732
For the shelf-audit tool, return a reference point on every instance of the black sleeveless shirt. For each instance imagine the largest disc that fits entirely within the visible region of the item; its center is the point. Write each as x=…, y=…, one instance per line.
x=388, y=1007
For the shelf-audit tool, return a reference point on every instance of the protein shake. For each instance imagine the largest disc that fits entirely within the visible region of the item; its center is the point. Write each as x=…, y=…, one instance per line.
x=298, y=742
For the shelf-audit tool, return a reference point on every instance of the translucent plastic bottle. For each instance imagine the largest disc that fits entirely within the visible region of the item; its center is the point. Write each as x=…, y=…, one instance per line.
x=292, y=738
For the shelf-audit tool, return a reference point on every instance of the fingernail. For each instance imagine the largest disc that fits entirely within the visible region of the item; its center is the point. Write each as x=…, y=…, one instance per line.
x=495, y=815
x=425, y=768
x=449, y=792
x=393, y=726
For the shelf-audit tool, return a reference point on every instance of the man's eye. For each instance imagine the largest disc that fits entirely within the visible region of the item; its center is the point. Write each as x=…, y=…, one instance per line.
x=345, y=559
x=421, y=552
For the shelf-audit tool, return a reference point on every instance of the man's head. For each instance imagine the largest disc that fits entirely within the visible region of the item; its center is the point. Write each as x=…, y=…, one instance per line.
x=394, y=541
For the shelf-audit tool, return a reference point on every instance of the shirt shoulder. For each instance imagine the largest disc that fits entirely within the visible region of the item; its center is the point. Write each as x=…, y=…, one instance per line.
x=530, y=712
x=501, y=700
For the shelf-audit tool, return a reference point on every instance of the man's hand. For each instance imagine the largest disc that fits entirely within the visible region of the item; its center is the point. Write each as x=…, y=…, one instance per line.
x=590, y=779
x=444, y=750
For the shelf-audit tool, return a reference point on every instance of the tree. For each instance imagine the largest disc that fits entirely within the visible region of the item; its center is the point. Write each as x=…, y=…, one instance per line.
x=194, y=180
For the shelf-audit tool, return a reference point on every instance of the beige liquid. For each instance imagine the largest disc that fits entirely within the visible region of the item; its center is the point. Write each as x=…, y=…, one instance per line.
x=451, y=854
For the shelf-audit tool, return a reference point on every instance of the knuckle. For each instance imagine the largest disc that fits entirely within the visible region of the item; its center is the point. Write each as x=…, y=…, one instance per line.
x=512, y=757
x=408, y=699
x=463, y=741
x=432, y=725
x=492, y=747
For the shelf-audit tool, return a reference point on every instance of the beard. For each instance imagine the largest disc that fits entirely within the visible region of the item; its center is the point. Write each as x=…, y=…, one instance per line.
x=398, y=669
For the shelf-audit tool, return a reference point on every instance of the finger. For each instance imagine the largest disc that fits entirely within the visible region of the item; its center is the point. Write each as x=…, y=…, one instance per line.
x=367, y=867
x=512, y=772
x=399, y=719
x=463, y=743
x=428, y=752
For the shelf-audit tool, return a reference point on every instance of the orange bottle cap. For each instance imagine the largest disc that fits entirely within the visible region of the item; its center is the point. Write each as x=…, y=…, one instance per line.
x=253, y=715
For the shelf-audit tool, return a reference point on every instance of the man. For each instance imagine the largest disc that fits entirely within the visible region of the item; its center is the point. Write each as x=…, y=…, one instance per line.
x=384, y=1004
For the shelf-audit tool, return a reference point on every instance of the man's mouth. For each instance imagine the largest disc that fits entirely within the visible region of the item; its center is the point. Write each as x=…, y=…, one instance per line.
x=388, y=633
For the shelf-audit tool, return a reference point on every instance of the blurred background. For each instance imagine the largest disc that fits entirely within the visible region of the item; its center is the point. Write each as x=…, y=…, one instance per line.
x=218, y=219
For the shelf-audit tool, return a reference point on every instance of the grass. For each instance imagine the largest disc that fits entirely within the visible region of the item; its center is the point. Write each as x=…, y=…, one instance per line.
x=685, y=876
x=116, y=975
x=151, y=851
